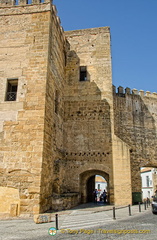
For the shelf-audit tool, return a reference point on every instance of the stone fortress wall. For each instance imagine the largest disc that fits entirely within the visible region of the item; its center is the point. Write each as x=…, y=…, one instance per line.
x=28, y=35
x=135, y=114
x=87, y=118
x=60, y=131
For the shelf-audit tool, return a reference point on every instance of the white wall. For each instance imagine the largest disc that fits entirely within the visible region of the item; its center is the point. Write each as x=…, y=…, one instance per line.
x=147, y=184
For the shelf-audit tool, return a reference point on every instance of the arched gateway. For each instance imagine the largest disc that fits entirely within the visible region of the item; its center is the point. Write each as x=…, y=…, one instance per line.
x=62, y=120
x=87, y=184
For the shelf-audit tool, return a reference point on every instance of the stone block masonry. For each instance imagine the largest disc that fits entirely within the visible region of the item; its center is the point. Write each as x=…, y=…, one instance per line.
x=135, y=124
x=61, y=120
x=24, y=51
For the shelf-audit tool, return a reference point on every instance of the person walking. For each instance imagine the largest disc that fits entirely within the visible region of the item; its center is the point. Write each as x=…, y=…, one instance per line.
x=95, y=193
x=104, y=195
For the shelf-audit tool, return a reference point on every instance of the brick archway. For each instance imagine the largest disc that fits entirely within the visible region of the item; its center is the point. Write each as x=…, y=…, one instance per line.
x=85, y=177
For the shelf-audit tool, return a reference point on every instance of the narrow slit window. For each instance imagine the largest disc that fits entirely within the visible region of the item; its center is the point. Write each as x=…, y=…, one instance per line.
x=83, y=73
x=11, y=93
x=56, y=101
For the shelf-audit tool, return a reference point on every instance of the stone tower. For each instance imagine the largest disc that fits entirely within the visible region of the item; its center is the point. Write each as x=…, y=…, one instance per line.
x=32, y=67
x=61, y=123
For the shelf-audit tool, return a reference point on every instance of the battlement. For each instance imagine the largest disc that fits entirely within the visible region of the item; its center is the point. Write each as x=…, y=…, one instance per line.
x=18, y=7
x=10, y=7
x=10, y=3
x=120, y=91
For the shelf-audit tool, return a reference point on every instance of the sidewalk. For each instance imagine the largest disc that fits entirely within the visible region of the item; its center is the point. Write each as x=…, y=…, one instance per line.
x=99, y=207
x=85, y=216
x=91, y=208
x=83, y=209
x=93, y=215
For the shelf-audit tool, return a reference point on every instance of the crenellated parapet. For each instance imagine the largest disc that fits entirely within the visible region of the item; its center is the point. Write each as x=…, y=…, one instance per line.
x=17, y=7
x=7, y=3
x=120, y=91
x=10, y=3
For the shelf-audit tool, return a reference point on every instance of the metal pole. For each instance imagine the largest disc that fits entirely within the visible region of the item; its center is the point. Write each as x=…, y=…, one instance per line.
x=114, y=213
x=139, y=206
x=129, y=210
x=56, y=221
x=144, y=205
x=149, y=201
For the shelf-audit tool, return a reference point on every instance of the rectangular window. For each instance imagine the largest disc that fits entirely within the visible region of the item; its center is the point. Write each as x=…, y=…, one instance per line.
x=147, y=181
x=83, y=73
x=11, y=92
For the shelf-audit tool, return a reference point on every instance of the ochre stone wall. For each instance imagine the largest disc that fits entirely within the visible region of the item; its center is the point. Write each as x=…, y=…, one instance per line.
x=54, y=111
x=88, y=104
x=24, y=35
x=121, y=172
x=135, y=124
x=60, y=131
x=87, y=140
x=92, y=46
x=10, y=202
x=89, y=116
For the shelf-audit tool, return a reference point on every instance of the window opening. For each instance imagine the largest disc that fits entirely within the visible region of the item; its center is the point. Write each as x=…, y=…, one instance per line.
x=56, y=101
x=83, y=73
x=11, y=93
x=147, y=181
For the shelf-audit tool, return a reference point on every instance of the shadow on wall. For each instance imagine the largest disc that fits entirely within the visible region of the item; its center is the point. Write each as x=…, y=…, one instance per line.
x=87, y=143
x=135, y=123
x=87, y=134
x=75, y=73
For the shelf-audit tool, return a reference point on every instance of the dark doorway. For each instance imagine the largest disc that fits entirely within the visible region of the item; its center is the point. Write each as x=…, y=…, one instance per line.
x=90, y=188
x=91, y=180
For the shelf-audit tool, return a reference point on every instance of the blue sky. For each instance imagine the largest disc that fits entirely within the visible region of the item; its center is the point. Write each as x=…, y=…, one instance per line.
x=133, y=25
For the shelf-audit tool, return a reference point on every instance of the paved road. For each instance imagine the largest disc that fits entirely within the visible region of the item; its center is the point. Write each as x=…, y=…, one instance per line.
x=86, y=220
x=86, y=225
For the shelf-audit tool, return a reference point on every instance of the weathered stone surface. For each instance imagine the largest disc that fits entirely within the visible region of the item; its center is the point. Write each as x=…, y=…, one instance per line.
x=42, y=218
x=135, y=124
x=9, y=201
x=24, y=37
x=61, y=131
x=13, y=210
